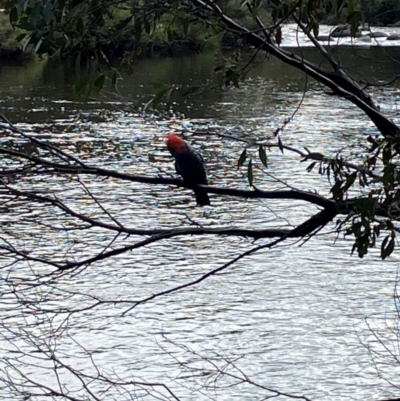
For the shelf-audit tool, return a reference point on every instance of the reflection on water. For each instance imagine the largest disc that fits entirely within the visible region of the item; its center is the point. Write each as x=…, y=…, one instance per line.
x=45, y=90
x=292, y=313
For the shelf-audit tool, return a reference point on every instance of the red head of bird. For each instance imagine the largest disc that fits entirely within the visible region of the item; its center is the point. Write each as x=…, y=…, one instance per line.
x=175, y=144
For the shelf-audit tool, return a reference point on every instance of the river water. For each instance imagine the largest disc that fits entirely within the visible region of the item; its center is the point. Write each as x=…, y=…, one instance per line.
x=293, y=318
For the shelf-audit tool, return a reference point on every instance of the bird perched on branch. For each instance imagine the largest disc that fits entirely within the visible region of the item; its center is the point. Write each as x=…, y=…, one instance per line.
x=189, y=164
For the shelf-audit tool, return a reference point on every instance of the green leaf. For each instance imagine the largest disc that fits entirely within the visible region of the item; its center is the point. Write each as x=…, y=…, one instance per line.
x=311, y=166
x=384, y=243
x=350, y=6
x=250, y=172
x=38, y=45
x=147, y=27
x=170, y=36
x=387, y=250
x=354, y=18
x=336, y=189
x=48, y=13
x=315, y=28
x=353, y=248
x=158, y=97
x=77, y=9
x=144, y=101
x=14, y=16
x=78, y=62
x=123, y=24
x=169, y=93
x=81, y=84
x=263, y=155
x=386, y=154
x=99, y=82
x=278, y=36
x=280, y=144
x=339, y=6
x=350, y=179
x=20, y=37
x=242, y=158
x=254, y=12
x=36, y=14
x=57, y=54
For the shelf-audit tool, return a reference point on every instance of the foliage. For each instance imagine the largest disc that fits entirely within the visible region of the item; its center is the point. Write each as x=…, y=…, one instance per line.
x=385, y=12
x=91, y=31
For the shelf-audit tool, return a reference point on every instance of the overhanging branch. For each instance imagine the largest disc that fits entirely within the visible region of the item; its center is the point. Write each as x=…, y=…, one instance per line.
x=338, y=81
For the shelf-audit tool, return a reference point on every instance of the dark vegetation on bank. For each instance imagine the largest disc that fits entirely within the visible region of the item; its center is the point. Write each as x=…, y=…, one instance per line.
x=126, y=45
x=13, y=55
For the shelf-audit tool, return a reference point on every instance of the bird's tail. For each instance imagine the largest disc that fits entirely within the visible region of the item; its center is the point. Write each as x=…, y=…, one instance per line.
x=202, y=198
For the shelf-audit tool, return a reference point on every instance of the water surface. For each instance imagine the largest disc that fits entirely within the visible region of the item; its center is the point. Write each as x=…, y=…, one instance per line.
x=293, y=317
